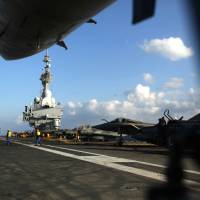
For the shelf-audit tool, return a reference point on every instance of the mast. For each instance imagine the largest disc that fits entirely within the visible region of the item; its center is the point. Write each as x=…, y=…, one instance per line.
x=46, y=77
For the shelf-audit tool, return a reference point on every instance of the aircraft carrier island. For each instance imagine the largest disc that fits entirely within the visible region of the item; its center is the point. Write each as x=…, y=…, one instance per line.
x=45, y=114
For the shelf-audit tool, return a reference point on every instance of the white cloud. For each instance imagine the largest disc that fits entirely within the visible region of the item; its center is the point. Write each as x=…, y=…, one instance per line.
x=192, y=91
x=174, y=83
x=92, y=105
x=141, y=103
x=172, y=48
x=148, y=78
x=72, y=107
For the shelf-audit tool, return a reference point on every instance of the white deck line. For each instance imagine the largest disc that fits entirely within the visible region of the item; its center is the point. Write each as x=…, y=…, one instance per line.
x=125, y=160
x=108, y=161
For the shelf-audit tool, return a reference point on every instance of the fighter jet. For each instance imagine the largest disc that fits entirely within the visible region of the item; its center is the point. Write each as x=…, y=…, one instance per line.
x=30, y=26
x=169, y=131
x=166, y=132
x=182, y=131
x=123, y=125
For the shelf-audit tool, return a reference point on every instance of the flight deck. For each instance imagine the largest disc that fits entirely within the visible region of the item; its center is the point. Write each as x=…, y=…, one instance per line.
x=59, y=171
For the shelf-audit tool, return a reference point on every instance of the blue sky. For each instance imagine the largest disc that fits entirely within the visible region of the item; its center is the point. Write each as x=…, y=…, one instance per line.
x=105, y=65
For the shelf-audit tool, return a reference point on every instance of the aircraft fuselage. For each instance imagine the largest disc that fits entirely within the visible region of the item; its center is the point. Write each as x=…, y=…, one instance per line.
x=29, y=26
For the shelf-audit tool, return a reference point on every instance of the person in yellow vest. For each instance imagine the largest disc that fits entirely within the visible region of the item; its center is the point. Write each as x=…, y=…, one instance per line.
x=78, y=135
x=37, y=137
x=8, y=137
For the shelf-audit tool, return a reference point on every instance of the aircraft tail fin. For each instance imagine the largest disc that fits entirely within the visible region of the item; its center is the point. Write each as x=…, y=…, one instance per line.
x=195, y=118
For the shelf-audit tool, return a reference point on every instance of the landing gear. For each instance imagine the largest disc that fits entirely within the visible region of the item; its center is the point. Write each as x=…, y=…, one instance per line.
x=170, y=141
x=120, y=142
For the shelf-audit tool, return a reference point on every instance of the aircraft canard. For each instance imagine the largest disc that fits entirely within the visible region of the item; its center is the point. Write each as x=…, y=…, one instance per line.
x=143, y=9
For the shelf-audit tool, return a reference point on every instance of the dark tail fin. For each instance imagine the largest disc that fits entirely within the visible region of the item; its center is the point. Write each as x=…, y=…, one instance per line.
x=195, y=118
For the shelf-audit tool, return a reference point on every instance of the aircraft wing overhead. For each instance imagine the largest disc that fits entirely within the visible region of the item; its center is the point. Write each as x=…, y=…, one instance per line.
x=30, y=26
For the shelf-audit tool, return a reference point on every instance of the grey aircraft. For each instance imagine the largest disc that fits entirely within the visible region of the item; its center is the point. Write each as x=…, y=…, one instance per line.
x=30, y=26
x=166, y=132
x=170, y=131
x=123, y=125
